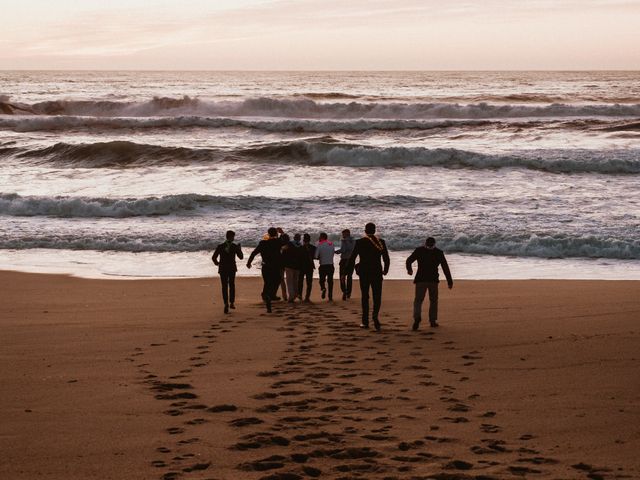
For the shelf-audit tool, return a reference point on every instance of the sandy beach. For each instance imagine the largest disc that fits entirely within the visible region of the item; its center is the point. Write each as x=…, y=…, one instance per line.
x=148, y=379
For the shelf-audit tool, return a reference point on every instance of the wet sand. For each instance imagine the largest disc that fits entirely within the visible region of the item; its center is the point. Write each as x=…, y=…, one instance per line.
x=148, y=379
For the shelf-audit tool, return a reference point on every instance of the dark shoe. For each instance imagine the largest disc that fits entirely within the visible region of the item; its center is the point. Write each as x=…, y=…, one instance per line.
x=226, y=309
x=232, y=306
x=344, y=296
x=416, y=324
x=268, y=308
x=324, y=293
x=434, y=324
x=364, y=325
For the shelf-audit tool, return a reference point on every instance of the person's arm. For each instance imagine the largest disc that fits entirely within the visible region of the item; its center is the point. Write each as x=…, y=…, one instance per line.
x=255, y=252
x=385, y=258
x=215, y=256
x=316, y=254
x=412, y=258
x=239, y=251
x=447, y=272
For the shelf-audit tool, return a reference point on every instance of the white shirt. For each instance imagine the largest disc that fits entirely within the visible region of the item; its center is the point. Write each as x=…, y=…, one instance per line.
x=324, y=253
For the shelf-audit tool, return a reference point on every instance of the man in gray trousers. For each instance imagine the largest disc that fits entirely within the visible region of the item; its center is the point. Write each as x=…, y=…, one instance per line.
x=429, y=258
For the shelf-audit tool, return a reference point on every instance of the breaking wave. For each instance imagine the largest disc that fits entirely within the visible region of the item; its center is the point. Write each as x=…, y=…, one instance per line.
x=311, y=108
x=529, y=245
x=64, y=206
x=326, y=151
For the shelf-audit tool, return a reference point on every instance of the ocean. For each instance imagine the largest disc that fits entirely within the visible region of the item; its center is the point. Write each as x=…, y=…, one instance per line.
x=139, y=174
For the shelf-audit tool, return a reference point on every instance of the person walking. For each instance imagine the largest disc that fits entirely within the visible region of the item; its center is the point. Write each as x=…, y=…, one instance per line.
x=270, y=251
x=324, y=253
x=347, y=243
x=429, y=258
x=371, y=250
x=307, y=266
x=291, y=263
x=224, y=257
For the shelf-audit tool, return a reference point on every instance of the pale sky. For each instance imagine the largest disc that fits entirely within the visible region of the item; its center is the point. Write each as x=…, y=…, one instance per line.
x=320, y=34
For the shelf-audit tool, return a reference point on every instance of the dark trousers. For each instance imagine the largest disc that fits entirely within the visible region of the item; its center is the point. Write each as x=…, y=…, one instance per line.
x=374, y=283
x=228, y=281
x=421, y=291
x=326, y=274
x=309, y=277
x=271, y=278
x=346, y=277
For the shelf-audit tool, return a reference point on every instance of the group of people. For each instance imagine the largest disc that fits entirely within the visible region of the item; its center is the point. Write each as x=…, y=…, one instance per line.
x=288, y=263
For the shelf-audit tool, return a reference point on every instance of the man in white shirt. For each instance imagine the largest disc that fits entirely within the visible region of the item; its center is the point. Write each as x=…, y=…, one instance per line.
x=324, y=253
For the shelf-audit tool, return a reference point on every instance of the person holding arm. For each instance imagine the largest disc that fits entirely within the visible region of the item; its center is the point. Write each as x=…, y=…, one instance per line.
x=429, y=258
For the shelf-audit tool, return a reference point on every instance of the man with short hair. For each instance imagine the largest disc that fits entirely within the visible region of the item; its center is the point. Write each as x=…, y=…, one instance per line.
x=324, y=253
x=269, y=250
x=308, y=254
x=347, y=243
x=371, y=250
x=429, y=258
x=224, y=257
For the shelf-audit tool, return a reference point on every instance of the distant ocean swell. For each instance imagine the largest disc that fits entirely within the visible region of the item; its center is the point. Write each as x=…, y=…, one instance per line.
x=520, y=245
x=310, y=108
x=47, y=123
x=326, y=151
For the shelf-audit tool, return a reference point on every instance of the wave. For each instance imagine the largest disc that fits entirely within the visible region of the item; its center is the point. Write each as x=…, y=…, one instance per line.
x=326, y=151
x=503, y=244
x=62, y=123
x=310, y=108
x=12, y=204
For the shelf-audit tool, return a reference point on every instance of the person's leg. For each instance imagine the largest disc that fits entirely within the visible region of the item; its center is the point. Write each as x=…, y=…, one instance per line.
x=224, y=283
x=421, y=290
x=288, y=278
x=296, y=283
x=342, y=272
x=232, y=289
x=300, y=284
x=349, y=281
x=433, y=303
x=283, y=286
x=268, y=286
x=364, y=291
x=322, y=271
x=376, y=291
x=330, y=272
x=309, y=276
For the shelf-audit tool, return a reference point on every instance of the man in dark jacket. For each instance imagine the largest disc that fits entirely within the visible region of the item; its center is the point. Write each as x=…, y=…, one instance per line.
x=269, y=250
x=225, y=258
x=429, y=259
x=371, y=251
x=307, y=266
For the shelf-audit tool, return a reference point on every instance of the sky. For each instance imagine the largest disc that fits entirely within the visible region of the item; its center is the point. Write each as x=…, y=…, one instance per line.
x=320, y=34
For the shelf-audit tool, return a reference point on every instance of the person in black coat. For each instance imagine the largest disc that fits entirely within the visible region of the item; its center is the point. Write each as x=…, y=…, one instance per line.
x=429, y=258
x=224, y=257
x=269, y=250
x=371, y=250
x=307, y=266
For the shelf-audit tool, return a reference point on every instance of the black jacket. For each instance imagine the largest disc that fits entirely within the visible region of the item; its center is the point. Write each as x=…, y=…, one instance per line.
x=370, y=257
x=292, y=256
x=308, y=255
x=227, y=260
x=269, y=250
x=428, y=261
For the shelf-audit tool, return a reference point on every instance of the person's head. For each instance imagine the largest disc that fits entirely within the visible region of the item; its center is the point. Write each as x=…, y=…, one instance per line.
x=346, y=233
x=285, y=238
x=273, y=232
x=306, y=238
x=231, y=235
x=323, y=236
x=370, y=228
x=430, y=242
x=296, y=238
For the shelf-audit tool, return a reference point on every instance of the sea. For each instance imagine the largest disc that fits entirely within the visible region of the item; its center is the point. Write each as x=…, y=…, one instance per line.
x=139, y=174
